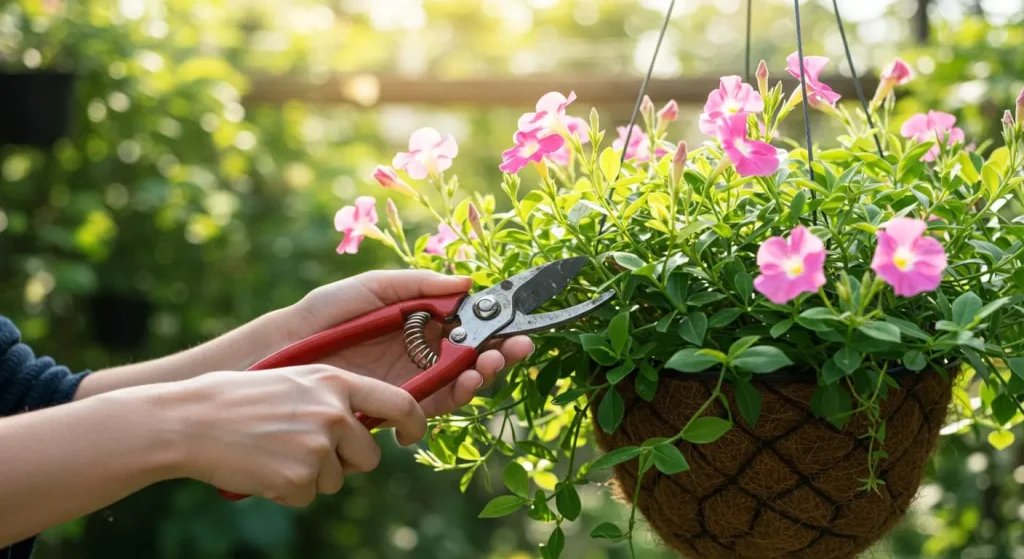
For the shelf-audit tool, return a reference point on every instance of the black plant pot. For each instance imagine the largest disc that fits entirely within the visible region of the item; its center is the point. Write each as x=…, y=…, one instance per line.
x=120, y=322
x=35, y=107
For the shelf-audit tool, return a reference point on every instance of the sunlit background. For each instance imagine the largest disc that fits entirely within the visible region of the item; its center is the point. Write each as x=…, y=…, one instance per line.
x=210, y=142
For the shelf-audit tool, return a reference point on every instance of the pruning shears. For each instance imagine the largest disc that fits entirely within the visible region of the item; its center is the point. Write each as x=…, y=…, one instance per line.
x=500, y=311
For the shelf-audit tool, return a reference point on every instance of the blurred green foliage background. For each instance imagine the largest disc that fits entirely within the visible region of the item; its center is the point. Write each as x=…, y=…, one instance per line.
x=175, y=211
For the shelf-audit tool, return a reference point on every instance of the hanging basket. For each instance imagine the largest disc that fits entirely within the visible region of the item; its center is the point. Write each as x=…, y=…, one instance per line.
x=35, y=107
x=790, y=487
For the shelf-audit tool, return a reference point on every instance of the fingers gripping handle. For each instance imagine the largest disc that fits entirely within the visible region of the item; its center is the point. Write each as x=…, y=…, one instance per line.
x=452, y=362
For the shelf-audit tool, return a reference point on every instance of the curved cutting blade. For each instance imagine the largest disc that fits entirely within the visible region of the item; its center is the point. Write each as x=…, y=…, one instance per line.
x=547, y=281
x=530, y=323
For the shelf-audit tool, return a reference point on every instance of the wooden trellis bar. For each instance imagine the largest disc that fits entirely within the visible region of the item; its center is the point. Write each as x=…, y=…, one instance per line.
x=369, y=89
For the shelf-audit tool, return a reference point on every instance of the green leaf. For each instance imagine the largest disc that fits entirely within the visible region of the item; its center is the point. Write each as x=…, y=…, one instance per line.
x=567, y=500
x=556, y=543
x=881, y=331
x=536, y=449
x=669, y=460
x=965, y=308
x=665, y=322
x=618, y=373
x=704, y=430
x=607, y=530
x=967, y=169
x=627, y=260
x=609, y=162
x=830, y=372
x=724, y=317
x=748, y=399
x=1017, y=366
x=609, y=413
x=819, y=313
x=616, y=456
x=466, y=479
x=848, y=359
x=1003, y=409
x=502, y=506
x=781, y=328
x=693, y=327
x=797, y=206
x=741, y=345
x=1000, y=440
x=568, y=396
x=691, y=360
x=908, y=328
x=990, y=178
x=992, y=307
x=914, y=360
x=705, y=297
x=646, y=387
x=744, y=286
x=762, y=359
x=618, y=332
x=516, y=480
x=832, y=403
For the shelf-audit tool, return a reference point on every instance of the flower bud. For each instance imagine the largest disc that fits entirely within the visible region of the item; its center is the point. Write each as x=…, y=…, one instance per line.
x=1020, y=107
x=896, y=73
x=387, y=178
x=1007, y=118
x=678, y=162
x=646, y=105
x=762, y=79
x=670, y=112
x=474, y=221
x=392, y=212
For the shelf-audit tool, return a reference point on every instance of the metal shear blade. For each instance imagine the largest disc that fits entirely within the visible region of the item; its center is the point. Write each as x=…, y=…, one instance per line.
x=503, y=310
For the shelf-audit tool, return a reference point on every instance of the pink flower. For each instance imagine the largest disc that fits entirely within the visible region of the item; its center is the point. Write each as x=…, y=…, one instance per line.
x=529, y=148
x=935, y=125
x=670, y=112
x=444, y=237
x=550, y=114
x=388, y=179
x=897, y=72
x=906, y=259
x=428, y=154
x=639, y=147
x=817, y=92
x=1020, y=107
x=752, y=158
x=790, y=267
x=576, y=127
x=356, y=222
x=731, y=98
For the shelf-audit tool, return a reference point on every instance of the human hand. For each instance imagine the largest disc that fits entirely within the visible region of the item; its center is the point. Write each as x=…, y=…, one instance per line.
x=385, y=358
x=282, y=434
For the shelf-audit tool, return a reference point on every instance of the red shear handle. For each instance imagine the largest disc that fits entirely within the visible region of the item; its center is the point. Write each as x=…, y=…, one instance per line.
x=453, y=360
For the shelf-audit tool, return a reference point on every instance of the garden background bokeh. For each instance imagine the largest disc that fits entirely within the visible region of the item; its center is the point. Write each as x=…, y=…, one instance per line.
x=180, y=203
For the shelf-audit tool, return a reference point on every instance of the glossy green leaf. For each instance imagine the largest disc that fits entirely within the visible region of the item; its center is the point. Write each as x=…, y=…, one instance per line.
x=618, y=332
x=848, y=359
x=616, y=456
x=881, y=331
x=609, y=413
x=669, y=460
x=704, y=430
x=691, y=360
x=693, y=327
x=761, y=359
x=748, y=399
x=567, y=500
x=516, y=480
x=620, y=372
x=965, y=308
x=607, y=530
x=502, y=506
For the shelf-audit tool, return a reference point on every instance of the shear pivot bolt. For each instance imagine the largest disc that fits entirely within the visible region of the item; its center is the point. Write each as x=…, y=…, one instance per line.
x=458, y=335
x=486, y=308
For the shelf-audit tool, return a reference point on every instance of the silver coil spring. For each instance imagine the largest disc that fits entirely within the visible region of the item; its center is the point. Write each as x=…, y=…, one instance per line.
x=414, y=335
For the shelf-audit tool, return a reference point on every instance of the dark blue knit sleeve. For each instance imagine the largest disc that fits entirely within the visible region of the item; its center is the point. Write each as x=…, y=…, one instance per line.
x=28, y=382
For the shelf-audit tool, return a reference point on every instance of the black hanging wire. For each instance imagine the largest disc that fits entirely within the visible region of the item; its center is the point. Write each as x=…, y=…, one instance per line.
x=856, y=79
x=746, y=67
x=803, y=88
x=639, y=101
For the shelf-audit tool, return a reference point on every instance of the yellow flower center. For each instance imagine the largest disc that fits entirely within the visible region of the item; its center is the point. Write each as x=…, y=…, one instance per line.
x=530, y=148
x=741, y=146
x=903, y=259
x=794, y=266
x=732, y=107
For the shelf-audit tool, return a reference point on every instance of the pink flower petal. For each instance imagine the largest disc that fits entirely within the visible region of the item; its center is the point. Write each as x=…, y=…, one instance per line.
x=915, y=126
x=905, y=231
x=345, y=218
x=447, y=147
x=424, y=139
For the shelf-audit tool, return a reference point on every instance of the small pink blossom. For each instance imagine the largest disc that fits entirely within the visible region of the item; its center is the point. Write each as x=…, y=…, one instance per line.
x=752, y=158
x=576, y=127
x=639, y=148
x=529, y=148
x=429, y=154
x=1020, y=107
x=444, y=237
x=670, y=112
x=935, y=125
x=732, y=97
x=817, y=92
x=791, y=266
x=387, y=178
x=908, y=260
x=897, y=72
x=356, y=222
x=550, y=114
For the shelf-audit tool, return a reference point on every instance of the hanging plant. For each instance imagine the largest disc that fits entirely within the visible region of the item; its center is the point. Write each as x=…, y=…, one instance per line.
x=789, y=326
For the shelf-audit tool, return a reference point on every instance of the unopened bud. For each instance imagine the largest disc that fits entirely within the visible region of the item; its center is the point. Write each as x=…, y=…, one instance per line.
x=762, y=78
x=392, y=212
x=678, y=162
x=670, y=112
x=1007, y=118
x=387, y=178
x=646, y=105
x=1020, y=107
x=474, y=221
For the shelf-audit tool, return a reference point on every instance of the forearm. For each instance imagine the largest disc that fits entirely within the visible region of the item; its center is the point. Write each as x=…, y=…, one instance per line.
x=64, y=462
x=236, y=350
